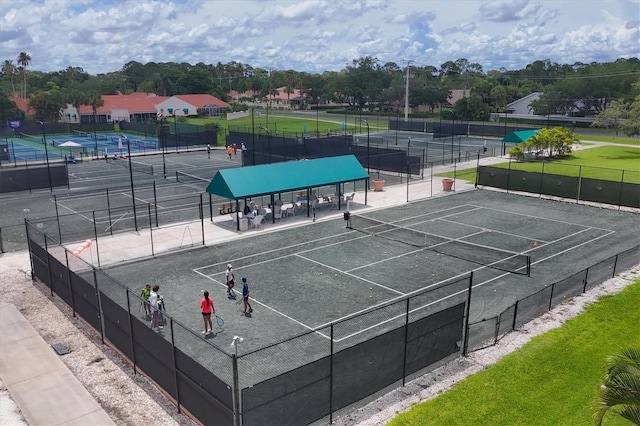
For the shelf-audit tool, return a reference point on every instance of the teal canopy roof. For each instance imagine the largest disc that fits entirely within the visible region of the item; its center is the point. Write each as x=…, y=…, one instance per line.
x=253, y=181
x=520, y=136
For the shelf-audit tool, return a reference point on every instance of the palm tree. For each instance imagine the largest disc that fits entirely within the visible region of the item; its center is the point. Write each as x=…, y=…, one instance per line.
x=621, y=387
x=24, y=59
x=9, y=70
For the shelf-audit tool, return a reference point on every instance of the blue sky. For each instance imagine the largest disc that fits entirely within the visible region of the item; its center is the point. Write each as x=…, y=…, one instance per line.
x=317, y=35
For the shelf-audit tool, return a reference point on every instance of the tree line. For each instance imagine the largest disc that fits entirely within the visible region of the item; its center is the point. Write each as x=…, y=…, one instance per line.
x=579, y=89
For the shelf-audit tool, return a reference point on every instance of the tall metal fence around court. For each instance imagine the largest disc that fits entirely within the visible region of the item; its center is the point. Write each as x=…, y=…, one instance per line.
x=258, y=388
x=580, y=183
x=267, y=149
x=326, y=370
x=489, y=331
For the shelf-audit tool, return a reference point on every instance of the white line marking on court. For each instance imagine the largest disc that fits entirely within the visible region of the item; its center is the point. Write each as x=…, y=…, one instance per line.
x=71, y=210
x=260, y=303
x=543, y=218
x=494, y=231
x=457, y=293
x=351, y=275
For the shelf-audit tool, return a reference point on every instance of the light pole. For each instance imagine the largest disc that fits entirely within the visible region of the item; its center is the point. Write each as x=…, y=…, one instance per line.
x=46, y=155
x=368, y=145
x=253, y=139
x=268, y=142
x=345, y=121
x=163, y=142
x=175, y=125
x=95, y=134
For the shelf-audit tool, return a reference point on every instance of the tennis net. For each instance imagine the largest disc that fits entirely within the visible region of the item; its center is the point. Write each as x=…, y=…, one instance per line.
x=31, y=137
x=139, y=166
x=187, y=178
x=80, y=134
x=492, y=257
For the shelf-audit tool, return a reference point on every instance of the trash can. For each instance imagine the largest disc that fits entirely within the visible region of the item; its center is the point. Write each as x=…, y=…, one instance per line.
x=447, y=184
x=244, y=224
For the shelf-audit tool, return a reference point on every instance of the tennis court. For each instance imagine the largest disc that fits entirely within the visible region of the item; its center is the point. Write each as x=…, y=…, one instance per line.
x=30, y=147
x=304, y=278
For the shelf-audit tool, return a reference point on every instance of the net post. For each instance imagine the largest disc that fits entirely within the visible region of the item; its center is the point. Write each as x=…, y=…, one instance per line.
x=347, y=216
x=528, y=265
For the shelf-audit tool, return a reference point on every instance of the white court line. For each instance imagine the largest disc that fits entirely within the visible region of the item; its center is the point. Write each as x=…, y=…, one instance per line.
x=351, y=275
x=401, y=296
x=71, y=210
x=462, y=291
x=258, y=302
x=544, y=218
x=493, y=231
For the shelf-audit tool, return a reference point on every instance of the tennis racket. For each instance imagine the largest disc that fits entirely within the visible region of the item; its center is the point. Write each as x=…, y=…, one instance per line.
x=240, y=300
x=220, y=321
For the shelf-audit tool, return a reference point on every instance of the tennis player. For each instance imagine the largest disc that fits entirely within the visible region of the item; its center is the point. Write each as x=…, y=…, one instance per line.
x=245, y=296
x=155, y=309
x=230, y=280
x=146, y=292
x=206, y=305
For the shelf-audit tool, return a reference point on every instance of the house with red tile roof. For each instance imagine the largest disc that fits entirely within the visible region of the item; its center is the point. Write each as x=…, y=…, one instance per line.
x=138, y=107
x=201, y=105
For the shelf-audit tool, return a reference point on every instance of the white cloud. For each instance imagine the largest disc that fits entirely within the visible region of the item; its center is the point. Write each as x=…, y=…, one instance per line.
x=316, y=35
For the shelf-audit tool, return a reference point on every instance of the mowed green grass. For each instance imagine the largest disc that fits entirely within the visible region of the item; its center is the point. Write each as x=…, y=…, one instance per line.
x=605, y=162
x=552, y=380
x=295, y=124
x=619, y=139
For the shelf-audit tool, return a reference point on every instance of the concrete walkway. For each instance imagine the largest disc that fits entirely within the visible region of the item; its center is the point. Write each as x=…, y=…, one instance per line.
x=39, y=382
x=33, y=371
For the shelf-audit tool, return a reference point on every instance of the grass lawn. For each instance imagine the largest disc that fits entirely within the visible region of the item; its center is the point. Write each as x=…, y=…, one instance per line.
x=605, y=162
x=621, y=139
x=552, y=380
x=291, y=124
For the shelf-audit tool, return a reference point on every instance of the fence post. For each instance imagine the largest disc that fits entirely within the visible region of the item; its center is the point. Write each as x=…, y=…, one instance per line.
x=406, y=337
x=621, y=186
x=73, y=303
x=155, y=203
x=175, y=365
x=98, y=305
x=95, y=232
x=55, y=202
x=151, y=230
x=467, y=309
x=509, y=175
x=331, y=375
x=579, y=184
x=585, y=281
x=109, y=210
x=133, y=349
x=515, y=315
x=236, y=395
x=201, y=213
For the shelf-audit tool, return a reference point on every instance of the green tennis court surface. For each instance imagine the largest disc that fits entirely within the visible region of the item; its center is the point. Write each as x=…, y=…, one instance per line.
x=307, y=277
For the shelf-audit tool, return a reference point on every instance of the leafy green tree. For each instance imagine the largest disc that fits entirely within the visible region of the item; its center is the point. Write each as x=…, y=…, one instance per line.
x=631, y=125
x=48, y=104
x=620, y=390
x=9, y=110
x=76, y=98
x=8, y=72
x=612, y=117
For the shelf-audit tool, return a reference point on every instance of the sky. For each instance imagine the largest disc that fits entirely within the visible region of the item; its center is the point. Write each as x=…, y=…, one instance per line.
x=316, y=35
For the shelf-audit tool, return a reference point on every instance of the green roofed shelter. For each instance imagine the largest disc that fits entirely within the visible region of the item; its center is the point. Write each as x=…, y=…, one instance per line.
x=520, y=136
x=270, y=179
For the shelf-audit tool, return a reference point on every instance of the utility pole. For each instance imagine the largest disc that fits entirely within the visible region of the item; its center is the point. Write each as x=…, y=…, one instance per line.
x=406, y=93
